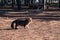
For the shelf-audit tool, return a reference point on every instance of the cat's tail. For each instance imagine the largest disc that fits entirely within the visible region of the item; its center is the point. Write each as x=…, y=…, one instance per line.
x=13, y=25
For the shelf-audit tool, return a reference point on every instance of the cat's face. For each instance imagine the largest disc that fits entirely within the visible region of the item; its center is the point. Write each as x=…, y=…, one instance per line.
x=29, y=19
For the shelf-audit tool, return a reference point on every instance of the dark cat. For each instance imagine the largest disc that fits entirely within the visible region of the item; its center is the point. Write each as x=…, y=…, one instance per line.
x=23, y=23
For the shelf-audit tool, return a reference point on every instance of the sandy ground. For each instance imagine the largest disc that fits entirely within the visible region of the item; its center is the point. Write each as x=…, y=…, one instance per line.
x=38, y=30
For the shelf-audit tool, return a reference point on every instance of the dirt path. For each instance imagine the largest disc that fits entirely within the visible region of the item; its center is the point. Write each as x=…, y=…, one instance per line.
x=38, y=30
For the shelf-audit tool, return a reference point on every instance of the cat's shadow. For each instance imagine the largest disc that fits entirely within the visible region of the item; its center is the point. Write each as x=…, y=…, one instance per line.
x=6, y=29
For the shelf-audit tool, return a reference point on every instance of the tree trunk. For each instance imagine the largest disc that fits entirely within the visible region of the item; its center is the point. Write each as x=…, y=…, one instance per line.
x=59, y=3
x=13, y=3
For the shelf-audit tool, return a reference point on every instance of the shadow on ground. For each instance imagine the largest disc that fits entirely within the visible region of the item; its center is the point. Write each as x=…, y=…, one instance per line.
x=6, y=29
